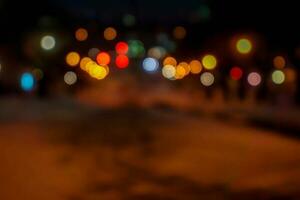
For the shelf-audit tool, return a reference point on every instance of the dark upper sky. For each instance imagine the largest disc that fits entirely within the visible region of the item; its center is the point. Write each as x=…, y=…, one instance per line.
x=276, y=20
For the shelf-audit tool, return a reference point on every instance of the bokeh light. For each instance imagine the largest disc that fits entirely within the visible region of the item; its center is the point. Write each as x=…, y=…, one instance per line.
x=207, y=79
x=81, y=34
x=196, y=67
x=279, y=62
x=90, y=65
x=48, y=42
x=129, y=20
x=180, y=72
x=98, y=72
x=27, y=81
x=236, y=73
x=254, y=79
x=83, y=63
x=103, y=58
x=136, y=49
x=70, y=78
x=278, y=77
x=244, y=46
x=93, y=52
x=170, y=61
x=179, y=32
x=150, y=65
x=169, y=71
x=110, y=33
x=122, y=61
x=122, y=48
x=73, y=59
x=157, y=52
x=209, y=62
x=290, y=75
x=186, y=67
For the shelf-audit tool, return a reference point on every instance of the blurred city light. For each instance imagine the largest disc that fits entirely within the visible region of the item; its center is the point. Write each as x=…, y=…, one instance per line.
x=180, y=72
x=81, y=34
x=84, y=61
x=72, y=59
x=170, y=61
x=196, y=67
x=209, y=62
x=122, y=48
x=150, y=65
x=157, y=52
x=236, y=73
x=278, y=77
x=244, y=46
x=186, y=67
x=279, y=62
x=98, y=72
x=103, y=58
x=169, y=71
x=122, y=61
x=110, y=33
x=179, y=32
x=290, y=75
x=136, y=49
x=48, y=42
x=207, y=79
x=254, y=79
x=129, y=20
x=93, y=52
x=27, y=81
x=70, y=78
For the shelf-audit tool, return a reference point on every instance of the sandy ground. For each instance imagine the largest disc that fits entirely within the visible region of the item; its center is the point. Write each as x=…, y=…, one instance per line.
x=136, y=154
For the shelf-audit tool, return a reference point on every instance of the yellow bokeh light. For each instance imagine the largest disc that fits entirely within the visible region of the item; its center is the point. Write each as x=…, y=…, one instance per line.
x=90, y=65
x=84, y=61
x=196, y=67
x=186, y=67
x=169, y=71
x=278, y=77
x=180, y=72
x=73, y=59
x=98, y=72
x=279, y=62
x=244, y=46
x=209, y=62
x=170, y=61
x=179, y=32
x=110, y=33
x=81, y=34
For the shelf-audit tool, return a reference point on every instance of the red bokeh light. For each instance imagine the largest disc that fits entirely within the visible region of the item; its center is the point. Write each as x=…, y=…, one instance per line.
x=122, y=48
x=236, y=73
x=122, y=61
x=103, y=58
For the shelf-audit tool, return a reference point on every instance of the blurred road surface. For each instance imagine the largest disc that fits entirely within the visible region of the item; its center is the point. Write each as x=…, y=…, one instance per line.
x=145, y=154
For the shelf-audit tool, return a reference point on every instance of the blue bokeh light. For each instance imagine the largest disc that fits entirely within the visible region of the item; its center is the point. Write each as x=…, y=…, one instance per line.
x=27, y=81
x=150, y=65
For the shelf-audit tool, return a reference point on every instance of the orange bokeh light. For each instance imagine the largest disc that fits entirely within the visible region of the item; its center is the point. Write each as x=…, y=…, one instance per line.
x=81, y=34
x=103, y=58
x=110, y=33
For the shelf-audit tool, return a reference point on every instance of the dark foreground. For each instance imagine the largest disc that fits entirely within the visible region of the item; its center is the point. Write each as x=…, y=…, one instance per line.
x=138, y=154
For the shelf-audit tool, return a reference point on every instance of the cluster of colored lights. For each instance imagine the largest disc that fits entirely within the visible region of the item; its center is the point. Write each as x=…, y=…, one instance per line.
x=97, y=62
x=173, y=71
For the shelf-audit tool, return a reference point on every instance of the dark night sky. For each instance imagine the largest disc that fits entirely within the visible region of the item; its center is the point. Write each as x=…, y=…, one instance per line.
x=277, y=21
